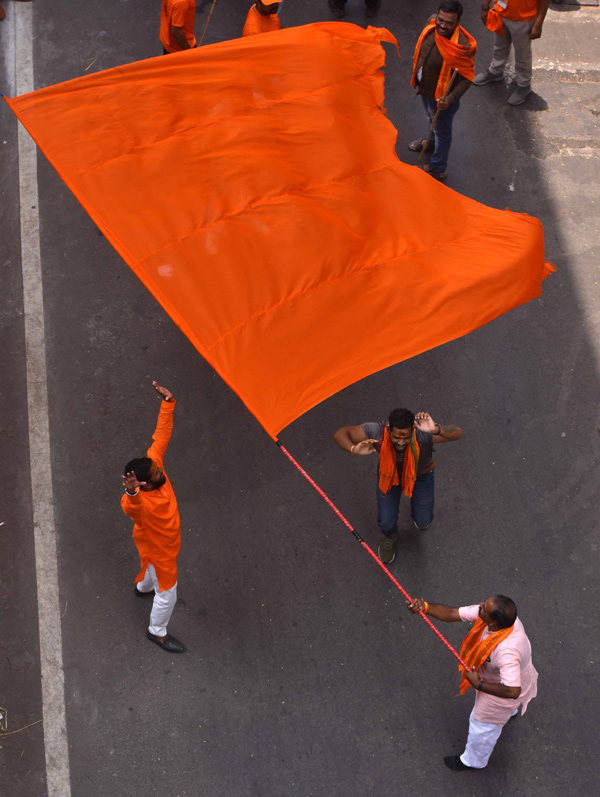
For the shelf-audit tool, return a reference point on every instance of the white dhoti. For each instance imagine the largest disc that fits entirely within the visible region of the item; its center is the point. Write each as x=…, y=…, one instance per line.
x=481, y=741
x=163, y=604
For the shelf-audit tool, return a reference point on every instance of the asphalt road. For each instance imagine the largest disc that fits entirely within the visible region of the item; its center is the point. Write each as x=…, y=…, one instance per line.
x=304, y=673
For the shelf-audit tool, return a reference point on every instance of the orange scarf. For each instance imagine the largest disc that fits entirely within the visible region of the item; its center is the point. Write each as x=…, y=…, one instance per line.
x=456, y=56
x=474, y=651
x=388, y=471
x=493, y=22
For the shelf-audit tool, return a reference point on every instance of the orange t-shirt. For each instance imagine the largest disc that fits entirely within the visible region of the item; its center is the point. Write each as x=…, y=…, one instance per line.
x=519, y=9
x=259, y=23
x=157, y=529
x=181, y=14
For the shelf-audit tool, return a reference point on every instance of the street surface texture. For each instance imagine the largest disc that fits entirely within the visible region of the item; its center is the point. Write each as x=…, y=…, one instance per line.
x=304, y=673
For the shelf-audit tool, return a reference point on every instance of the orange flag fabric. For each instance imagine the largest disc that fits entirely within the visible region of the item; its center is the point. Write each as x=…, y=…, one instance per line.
x=254, y=188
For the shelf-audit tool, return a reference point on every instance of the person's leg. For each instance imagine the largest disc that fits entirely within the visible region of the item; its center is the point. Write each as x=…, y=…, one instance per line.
x=388, y=506
x=480, y=743
x=337, y=6
x=147, y=585
x=162, y=606
x=443, y=138
x=520, y=31
x=422, y=501
x=430, y=108
x=501, y=50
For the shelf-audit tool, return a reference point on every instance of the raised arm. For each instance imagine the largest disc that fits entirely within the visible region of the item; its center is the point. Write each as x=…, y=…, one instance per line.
x=441, y=433
x=164, y=425
x=354, y=440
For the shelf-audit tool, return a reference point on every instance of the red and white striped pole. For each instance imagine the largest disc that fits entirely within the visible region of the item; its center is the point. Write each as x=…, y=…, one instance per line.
x=372, y=554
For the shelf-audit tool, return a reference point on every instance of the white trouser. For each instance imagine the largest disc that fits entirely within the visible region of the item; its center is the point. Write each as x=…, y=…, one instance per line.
x=481, y=742
x=516, y=32
x=163, y=603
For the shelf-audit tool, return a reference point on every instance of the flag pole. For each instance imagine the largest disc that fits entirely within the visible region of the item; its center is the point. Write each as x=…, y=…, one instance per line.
x=372, y=554
x=435, y=118
x=212, y=8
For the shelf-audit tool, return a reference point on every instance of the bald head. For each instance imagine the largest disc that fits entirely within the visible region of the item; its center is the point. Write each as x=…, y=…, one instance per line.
x=504, y=611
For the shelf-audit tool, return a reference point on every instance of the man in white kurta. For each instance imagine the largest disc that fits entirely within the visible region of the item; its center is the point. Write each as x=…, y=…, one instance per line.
x=505, y=681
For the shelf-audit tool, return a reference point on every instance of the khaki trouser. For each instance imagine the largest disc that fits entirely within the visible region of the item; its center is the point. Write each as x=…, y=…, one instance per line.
x=516, y=32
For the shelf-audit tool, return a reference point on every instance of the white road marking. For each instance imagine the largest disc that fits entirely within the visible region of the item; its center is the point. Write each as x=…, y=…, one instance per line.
x=53, y=689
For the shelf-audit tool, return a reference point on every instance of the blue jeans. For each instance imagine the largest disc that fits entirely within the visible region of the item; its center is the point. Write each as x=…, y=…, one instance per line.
x=421, y=504
x=442, y=133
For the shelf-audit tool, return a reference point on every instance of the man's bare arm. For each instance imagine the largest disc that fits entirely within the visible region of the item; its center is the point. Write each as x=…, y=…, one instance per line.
x=439, y=611
x=179, y=37
x=354, y=440
x=447, y=433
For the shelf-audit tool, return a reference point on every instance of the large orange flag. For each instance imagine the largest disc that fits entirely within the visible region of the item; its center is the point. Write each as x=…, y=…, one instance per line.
x=254, y=188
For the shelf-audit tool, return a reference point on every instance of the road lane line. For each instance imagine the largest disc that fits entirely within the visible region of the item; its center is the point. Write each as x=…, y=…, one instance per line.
x=53, y=688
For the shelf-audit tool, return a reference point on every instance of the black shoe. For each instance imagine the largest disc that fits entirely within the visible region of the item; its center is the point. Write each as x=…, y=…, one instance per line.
x=454, y=762
x=337, y=9
x=421, y=528
x=169, y=643
x=143, y=594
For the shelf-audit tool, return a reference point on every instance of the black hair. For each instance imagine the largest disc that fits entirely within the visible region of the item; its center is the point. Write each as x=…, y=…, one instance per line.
x=451, y=7
x=505, y=612
x=141, y=467
x=401, y=419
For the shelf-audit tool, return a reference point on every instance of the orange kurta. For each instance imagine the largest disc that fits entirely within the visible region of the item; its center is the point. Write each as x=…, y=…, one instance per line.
x=181, y=14
x=260, y=23
x=157, y=529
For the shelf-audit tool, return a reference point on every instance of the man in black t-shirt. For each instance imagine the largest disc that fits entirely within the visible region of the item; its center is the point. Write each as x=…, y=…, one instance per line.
x=408, y=439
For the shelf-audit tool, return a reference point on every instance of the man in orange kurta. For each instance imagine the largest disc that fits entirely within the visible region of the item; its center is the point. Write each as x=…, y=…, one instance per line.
x=262, y=18
x=177, y=19
x=150, y=502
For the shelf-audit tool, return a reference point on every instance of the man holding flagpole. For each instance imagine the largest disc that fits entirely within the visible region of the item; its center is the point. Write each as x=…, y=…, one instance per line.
x=502, y=673
x=443, y=70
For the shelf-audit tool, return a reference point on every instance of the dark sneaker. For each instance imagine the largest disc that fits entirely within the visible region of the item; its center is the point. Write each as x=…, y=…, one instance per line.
x=486, y=77
x=372, y=9
x=441, y=176
x=337, y=9
x=519, y=95
x=421, y=528
x=387, y=550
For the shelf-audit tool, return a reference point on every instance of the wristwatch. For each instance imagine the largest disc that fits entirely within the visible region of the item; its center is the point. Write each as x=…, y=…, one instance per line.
x=480, y=686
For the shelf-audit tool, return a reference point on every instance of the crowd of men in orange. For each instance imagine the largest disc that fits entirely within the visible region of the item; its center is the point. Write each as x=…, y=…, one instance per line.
x=497, y=648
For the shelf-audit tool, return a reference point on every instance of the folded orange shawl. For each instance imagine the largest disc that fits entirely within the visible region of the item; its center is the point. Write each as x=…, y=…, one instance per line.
x=388, y=472
x=474, y=651
x=456, y=56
